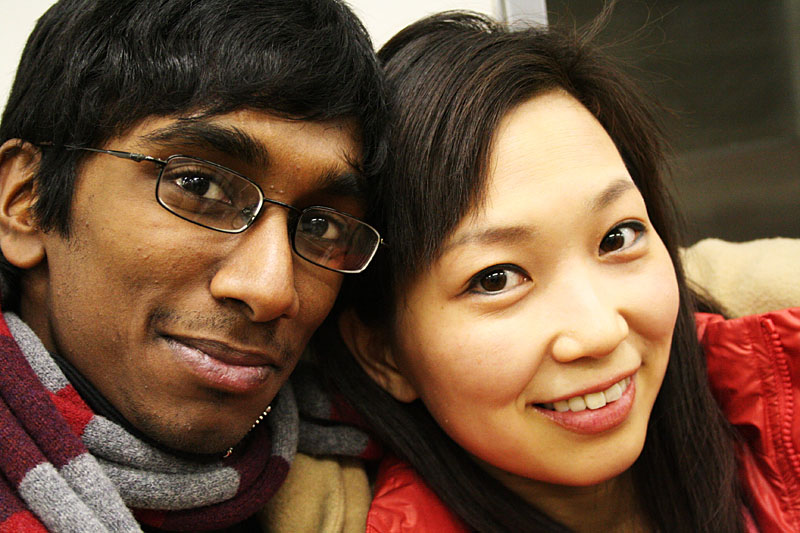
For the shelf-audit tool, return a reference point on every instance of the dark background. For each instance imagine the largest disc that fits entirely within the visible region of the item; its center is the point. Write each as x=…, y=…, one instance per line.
x=728, y=74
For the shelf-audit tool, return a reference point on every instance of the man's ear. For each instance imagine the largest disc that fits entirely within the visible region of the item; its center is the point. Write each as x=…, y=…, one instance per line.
x=372, y=350
x=20, y=238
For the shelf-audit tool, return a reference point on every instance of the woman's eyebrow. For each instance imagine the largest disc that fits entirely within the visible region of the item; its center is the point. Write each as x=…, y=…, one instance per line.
x=518, y=234
x=610, y=194
x=493, y=235
x=205, y=135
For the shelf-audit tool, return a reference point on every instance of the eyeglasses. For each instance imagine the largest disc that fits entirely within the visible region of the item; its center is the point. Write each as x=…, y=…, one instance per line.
x=218, y=198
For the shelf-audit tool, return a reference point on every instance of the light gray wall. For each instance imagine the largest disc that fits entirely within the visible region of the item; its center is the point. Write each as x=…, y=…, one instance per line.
x=16, y=22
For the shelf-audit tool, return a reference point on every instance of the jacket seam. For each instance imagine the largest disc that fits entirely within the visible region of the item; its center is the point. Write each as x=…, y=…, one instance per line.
x=782, y=439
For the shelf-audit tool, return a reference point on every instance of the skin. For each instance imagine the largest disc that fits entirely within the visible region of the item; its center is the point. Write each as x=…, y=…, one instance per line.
x=556, y=286
x=132, y=279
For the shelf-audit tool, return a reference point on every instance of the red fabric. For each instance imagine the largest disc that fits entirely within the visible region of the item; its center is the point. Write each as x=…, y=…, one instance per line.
x=72, y=408
x=754, y=370
x=403, y=503
x=22, y=522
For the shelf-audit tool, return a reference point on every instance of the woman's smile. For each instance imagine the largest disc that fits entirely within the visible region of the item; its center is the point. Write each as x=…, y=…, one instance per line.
x=594, y=412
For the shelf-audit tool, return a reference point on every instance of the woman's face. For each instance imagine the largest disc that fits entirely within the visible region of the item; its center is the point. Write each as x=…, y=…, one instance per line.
x=539, y=339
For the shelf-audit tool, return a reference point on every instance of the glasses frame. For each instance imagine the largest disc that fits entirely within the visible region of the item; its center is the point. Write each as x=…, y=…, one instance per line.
x=293, y=220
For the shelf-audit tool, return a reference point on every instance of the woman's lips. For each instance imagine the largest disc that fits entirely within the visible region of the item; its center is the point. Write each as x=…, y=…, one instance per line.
x=595, y=412
x=221, y=367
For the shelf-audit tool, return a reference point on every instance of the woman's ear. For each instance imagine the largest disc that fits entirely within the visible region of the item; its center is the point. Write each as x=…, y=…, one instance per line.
x=372, y=350
x=20, y=238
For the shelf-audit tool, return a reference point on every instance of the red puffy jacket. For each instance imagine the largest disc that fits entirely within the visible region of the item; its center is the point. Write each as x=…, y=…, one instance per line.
x=754, y=369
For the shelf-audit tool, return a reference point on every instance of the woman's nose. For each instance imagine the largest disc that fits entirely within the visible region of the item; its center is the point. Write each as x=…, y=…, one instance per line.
x=589, y=320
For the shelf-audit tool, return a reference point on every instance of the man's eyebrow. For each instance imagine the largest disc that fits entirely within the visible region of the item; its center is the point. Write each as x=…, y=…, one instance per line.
x=348, y=183
x=610, y=194
x=225, y=139
x=493, y=235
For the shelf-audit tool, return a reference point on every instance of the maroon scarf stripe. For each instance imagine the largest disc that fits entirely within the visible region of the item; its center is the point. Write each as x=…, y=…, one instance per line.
x=14, y=515
x=250, y=465
x=342, y=411
x=258, y=482
x=18, y=452
x=223, y=514
x=151, y=517
x=30, y=407
x=9, y=501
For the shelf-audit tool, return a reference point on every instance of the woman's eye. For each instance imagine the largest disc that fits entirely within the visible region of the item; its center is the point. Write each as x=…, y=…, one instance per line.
x=497, y=279
x=621, y=237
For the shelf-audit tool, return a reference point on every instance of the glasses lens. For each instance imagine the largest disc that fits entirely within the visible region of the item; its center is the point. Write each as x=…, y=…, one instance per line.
x=335, y=240
x=208, y=195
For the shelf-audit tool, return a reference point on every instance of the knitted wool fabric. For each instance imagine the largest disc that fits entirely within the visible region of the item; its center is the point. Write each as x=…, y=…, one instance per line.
x=67, y=469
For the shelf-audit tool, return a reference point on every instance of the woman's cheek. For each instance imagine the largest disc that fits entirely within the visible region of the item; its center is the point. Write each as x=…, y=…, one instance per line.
x=489, y=361
x=659, y=300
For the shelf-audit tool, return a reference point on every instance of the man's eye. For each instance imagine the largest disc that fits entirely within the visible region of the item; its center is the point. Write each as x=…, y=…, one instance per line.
x=324, y=226
x=621, y=237
x=203, y=187
x=497, y=279
x=320, y=227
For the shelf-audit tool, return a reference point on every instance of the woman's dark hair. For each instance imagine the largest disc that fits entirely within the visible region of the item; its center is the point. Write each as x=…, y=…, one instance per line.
x=453, y=77
x=92, y=68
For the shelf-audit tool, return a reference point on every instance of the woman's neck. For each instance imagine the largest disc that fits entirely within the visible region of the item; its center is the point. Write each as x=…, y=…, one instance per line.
x=611, y=506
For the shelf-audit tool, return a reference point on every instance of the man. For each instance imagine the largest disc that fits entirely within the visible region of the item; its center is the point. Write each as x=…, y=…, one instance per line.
x=153, y=155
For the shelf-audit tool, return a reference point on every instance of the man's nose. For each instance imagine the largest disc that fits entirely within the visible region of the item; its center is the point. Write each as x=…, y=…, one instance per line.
x=589, y=319
x=259, y=271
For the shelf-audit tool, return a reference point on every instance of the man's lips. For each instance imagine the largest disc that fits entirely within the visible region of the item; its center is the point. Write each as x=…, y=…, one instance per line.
x=220, y=366
x=238, y=356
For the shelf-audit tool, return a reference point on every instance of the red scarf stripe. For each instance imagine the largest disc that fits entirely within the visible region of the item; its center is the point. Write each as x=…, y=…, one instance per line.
x=22, y=521
x=31, y=408
x=72, y=408
x=4, y=331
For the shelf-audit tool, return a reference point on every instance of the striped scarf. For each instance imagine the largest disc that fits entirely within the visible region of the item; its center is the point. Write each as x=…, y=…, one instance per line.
x=65, y=468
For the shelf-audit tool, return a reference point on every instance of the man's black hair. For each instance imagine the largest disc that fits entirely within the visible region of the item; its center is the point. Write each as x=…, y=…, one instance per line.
x=92, y=68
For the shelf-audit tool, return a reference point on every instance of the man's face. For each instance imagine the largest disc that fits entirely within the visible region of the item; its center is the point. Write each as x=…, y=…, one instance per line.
x=187, y=331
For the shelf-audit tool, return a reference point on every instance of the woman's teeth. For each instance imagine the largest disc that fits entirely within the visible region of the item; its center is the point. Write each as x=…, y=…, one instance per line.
x=594, y=400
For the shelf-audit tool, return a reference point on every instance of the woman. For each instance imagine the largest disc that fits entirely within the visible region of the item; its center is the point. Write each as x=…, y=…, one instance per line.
x=527, y=342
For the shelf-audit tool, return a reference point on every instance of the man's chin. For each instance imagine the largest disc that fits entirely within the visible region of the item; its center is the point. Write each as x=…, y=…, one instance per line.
x=203, y=443
x=190, y=439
